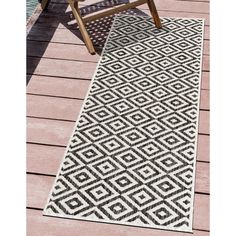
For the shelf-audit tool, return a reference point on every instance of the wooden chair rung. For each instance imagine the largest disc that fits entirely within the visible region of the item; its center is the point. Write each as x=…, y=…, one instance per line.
x=114, y=10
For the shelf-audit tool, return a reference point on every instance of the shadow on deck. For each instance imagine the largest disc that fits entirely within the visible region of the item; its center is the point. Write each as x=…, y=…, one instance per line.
x=58, y=15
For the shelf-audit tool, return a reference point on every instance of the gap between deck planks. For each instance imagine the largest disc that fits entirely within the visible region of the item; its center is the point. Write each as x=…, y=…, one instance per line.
x=37, y=195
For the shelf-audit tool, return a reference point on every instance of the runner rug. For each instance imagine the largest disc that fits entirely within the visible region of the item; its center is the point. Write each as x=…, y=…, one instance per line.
x=131, y=158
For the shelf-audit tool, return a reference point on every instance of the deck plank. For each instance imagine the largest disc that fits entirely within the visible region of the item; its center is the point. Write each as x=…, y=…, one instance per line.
x=69, y=108
x=60, y=68
x=195, y=0
x=201, y=219
x=57, y=132
x=39, y=225
x=206, y=63
x=52, y=132
x=205, y=100
x=69, y=51
x=203, y=152
x=52, y=19
x=46, y=160
x=60, y=51
x=205, y=82
x=169, y=5
x=58, y=35
x=202, y=184
x=71, y=69
x=53, y=107
x=71, y=88
x=76, y=88
x=206, y=47
x=39, y=187
x=204, y=127
x=55, y=35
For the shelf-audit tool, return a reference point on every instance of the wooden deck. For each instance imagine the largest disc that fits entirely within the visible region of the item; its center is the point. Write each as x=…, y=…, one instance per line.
x=59, y=73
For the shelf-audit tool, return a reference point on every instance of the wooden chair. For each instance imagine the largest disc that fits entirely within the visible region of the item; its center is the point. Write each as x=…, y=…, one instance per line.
x=82, y=20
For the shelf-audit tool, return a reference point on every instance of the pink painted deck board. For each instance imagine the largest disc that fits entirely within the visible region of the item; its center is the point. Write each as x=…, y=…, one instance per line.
x=204, y=126
x=58, y=132
x=69, y=51
x=49, y=131
x=38, y=225
x=68, y=108
x=195, y=0
x=202, y=177
x=55, y=35
x=205, y=80
x=60, y=51
x=40, y=186
x=201, y=211
x=203, y=151
x=205, y=100
x=62, y=68
x=46, y=159
x=52, y=19
x=168, y=5
x=71, y=36
x=206, y=63
x=72, y=69
x=56, y=86
x=76, y=88
x=53, y=107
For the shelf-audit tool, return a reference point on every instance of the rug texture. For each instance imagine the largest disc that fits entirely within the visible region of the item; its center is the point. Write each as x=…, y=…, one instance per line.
x=131, y=157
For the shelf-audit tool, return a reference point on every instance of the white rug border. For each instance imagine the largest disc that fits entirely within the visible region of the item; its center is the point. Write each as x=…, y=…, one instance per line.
x=167, y=228
x=196, y=133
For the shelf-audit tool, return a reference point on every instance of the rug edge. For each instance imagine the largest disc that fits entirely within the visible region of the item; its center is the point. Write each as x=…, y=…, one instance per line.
x=113, y=222
x=197, y=129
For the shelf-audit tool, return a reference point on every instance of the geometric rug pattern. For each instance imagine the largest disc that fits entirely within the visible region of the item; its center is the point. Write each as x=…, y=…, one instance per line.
x=131, y=158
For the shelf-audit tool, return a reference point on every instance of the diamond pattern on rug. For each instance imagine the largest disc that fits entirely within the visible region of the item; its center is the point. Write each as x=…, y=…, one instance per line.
x=131, y=158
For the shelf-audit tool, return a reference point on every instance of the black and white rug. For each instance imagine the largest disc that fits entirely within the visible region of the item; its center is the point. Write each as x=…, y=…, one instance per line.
x=131, y=158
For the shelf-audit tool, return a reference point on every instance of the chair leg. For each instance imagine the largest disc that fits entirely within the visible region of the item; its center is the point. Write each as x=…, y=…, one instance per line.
x=85, y=35
x=44, y=4
x=154, y=13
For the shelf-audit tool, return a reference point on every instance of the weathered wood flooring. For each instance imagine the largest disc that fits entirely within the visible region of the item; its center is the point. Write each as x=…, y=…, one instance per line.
x=59, y=72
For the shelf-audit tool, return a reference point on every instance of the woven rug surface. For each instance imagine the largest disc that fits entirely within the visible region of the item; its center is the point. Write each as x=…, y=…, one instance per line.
x=131, y=157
